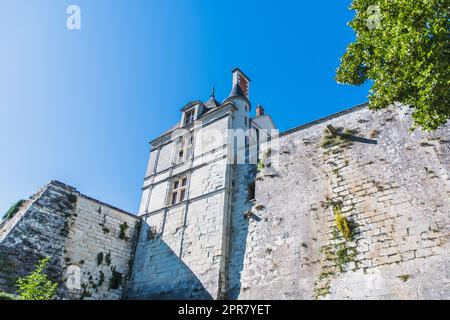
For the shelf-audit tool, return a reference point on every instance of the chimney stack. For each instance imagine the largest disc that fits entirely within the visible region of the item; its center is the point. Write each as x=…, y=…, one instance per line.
x=259, y=110
x=240, y=79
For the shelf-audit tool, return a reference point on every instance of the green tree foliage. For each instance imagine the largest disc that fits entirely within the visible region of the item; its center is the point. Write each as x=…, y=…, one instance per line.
x=37, y=286
x=403, y=47
x=13, y=210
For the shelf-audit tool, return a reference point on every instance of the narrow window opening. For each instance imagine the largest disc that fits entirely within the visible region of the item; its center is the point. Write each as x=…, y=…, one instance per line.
x=247, y=150
x=184, y=149
x=257, y=144
x=251, y=191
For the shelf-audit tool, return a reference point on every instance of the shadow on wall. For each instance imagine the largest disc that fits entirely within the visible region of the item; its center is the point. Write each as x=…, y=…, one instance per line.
x=237, y=261
x=159, y=274
x=355, y=138
x=241, y=218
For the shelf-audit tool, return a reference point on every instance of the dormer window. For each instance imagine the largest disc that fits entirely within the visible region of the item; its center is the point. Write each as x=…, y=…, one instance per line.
x=191, y=112
x=189, y=117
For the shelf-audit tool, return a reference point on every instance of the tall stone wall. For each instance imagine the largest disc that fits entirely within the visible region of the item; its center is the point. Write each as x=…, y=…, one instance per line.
x=179, y=252
x=392, y=187
x=75, y=231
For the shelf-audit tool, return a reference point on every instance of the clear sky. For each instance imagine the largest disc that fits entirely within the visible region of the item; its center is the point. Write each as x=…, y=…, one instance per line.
x=80, y=106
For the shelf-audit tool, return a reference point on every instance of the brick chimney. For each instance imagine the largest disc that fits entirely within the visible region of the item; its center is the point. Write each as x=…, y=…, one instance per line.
x=259, y=110
x=240, y=79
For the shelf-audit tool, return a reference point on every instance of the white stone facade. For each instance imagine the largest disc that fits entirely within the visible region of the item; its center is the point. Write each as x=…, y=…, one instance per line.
x=194, y=234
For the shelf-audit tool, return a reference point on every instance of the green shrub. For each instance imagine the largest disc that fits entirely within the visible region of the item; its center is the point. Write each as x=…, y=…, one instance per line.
x=13, y=210
x=37, y=286
x=345, y=255
x=116, y=279
x=123, y=230
x=341, y=222
x=72, y=198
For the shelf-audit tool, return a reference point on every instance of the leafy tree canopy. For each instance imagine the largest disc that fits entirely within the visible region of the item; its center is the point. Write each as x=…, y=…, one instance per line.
x=403, y=47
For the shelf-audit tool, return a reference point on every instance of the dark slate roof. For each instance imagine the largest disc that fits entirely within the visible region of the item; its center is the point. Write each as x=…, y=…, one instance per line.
x=191, y=104
x=212, y=103
x=237, y=92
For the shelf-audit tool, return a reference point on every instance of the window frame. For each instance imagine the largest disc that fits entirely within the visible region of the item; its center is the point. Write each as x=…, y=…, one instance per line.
x=189, y=116
x=178, y=190
x=185, y=149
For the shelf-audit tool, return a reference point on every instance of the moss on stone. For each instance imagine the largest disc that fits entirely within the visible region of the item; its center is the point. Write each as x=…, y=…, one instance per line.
x=404, y=277
x=342, y=139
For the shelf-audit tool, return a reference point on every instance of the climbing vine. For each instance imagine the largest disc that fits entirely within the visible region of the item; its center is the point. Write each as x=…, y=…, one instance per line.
x=338, y=255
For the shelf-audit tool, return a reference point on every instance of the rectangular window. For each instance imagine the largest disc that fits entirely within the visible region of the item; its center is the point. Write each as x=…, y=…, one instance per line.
x=257, y=144
x=178, y=193
x=184, y=149
x=247, y=150
x=189, y=117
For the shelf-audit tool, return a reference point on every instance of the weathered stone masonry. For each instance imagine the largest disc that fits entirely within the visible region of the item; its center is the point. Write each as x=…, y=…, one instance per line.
x=392, y=184
x=73, y=230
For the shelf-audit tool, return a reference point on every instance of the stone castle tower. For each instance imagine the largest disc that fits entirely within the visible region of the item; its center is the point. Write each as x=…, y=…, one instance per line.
x=351, y=206
x=199, y=173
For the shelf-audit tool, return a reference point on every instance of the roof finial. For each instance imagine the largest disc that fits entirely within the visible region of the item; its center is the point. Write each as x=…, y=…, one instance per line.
x=213, y=91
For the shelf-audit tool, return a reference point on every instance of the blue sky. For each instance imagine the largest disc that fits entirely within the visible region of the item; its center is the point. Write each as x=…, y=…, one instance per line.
x=80, y=106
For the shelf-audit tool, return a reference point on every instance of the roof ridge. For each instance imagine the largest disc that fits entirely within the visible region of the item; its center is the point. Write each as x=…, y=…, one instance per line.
x=329, y=117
